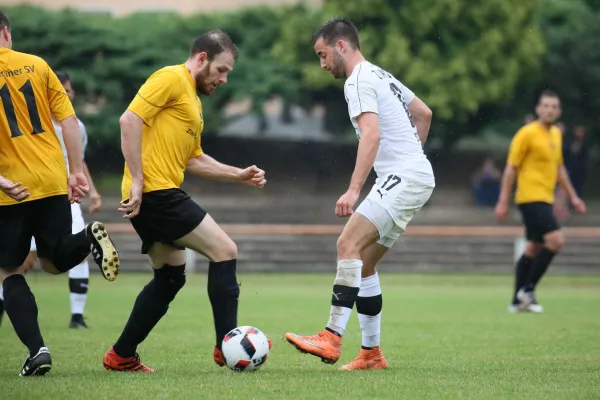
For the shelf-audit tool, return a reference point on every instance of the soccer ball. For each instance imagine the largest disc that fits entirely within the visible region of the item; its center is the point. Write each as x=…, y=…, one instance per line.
x=245, y=348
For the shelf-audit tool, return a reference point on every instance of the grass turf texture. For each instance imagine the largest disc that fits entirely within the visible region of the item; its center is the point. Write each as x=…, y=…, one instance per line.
x=444, y=337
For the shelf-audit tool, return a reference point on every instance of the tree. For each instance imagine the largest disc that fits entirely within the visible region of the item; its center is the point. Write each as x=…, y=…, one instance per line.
x=458, y=56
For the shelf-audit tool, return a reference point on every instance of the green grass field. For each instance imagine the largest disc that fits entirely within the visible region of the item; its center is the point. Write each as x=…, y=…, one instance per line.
x=444, y=337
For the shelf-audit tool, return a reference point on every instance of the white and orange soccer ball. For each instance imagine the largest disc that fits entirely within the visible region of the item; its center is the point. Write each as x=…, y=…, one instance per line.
x=245, y=348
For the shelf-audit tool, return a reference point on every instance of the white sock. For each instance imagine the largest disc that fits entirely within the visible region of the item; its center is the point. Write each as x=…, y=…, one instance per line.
x=1, y=292
x=78, y=283
x=78, y=303
x=370, y=298
x=345, y=290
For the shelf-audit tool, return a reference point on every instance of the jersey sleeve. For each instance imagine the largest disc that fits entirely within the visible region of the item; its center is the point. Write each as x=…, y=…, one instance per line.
x=361, y=97
x=407, y=94
x=197, y=152
x=518, y=148
x=60, y=104
x=159, y=91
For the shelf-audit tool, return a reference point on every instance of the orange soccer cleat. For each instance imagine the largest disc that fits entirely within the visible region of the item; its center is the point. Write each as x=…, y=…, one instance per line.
x=325, y=345
x=220, y=359
x=367, y=359
x=114, y=362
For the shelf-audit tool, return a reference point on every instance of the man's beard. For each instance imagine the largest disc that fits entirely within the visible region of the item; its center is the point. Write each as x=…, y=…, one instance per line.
x=202, y=85
x=338, y=66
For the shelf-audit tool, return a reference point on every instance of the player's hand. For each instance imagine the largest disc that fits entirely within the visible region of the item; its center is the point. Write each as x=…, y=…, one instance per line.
x=78, y=187
x=253, y=176
x=579, y=205
x=14, y=190
x=96, y=202
x=501, y=211
x=345, y=205
x=131, y=207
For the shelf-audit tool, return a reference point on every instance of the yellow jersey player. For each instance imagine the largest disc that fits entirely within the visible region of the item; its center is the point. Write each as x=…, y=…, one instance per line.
x=535, y=160
x=160, y=136
x=37, y=191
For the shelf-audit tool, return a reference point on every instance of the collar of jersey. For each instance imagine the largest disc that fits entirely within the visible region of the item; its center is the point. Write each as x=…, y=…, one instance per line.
x=189, y=76
x=4, y=50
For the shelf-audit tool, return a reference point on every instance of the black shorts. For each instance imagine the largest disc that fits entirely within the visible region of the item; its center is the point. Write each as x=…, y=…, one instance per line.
x=539, y=219
x=165, y=216
x=48, y=220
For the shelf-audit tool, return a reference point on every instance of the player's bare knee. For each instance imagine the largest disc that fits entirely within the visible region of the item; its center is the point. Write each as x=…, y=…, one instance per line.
x=554, y=241
x=532, y=249
x=225, y=252
x=346, y=248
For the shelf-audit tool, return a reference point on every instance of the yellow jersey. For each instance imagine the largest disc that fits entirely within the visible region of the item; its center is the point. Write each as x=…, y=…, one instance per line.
x=172, y=113
x=536, y=154
x=30, y=152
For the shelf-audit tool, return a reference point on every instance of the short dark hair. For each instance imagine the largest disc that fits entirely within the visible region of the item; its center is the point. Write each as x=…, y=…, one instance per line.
x=548, y=93
x=335, y=29
x=4, y=21
x=63, y=77
x=213, y=43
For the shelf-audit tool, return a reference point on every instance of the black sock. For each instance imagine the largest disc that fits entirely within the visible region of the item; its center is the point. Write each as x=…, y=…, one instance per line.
x=22, y=310
x=78, y=285
x=223, y=292
x=150, y=306
x=370, y=306
x=71, y=251
x=522, y=272
x=539, y=268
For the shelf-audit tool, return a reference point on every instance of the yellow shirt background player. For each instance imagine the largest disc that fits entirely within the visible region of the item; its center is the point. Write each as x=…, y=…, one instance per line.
x=173, y=122
x=535, y=161
x=536, y=154
x=30, y=151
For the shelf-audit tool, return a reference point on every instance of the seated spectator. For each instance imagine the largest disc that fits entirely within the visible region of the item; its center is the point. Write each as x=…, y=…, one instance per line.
x=486, y=183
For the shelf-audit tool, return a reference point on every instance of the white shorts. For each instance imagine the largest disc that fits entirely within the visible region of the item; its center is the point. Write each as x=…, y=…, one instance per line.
x=392, y=204
x=77, y=225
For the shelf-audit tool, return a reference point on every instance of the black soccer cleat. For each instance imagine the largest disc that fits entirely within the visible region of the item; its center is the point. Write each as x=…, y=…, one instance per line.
x=103, y=250
x=77, y=322
x=37, y=365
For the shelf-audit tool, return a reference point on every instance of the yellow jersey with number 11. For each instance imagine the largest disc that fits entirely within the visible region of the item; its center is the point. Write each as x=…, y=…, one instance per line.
x=30, y=152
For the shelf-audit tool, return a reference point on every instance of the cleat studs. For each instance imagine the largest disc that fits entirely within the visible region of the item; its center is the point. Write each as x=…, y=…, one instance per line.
x=99, y=237
x=114, y=253
x=104, y=234
x=105, y=268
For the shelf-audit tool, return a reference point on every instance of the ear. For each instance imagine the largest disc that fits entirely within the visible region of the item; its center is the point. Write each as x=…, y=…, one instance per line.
x=340, y=44
x=202, y=58
x=5, y=33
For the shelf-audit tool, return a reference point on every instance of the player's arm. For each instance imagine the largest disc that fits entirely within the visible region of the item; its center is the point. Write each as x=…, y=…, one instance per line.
x=63, y=112
x=565, y=182
x=362, y=102
x=421, y=116
x=205, y=166
x=160, y=90
x=368, y=123
x=516, y=154
x=131, y=144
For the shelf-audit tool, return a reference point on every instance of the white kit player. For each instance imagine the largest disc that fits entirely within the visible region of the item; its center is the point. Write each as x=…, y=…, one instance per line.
x=78, y=276
x=391, y=124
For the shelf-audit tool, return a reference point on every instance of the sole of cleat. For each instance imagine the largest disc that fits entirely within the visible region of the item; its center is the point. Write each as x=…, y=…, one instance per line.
x=110, y=255
x=40, y=370
x=323, y=359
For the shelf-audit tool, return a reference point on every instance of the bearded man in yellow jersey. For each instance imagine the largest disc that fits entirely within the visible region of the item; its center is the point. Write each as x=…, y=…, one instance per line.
x=535, y=160
x=37, y=191
x=160, y=135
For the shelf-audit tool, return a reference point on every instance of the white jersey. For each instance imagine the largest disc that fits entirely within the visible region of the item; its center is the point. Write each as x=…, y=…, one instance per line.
x=84, y=140
x=371, y=89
